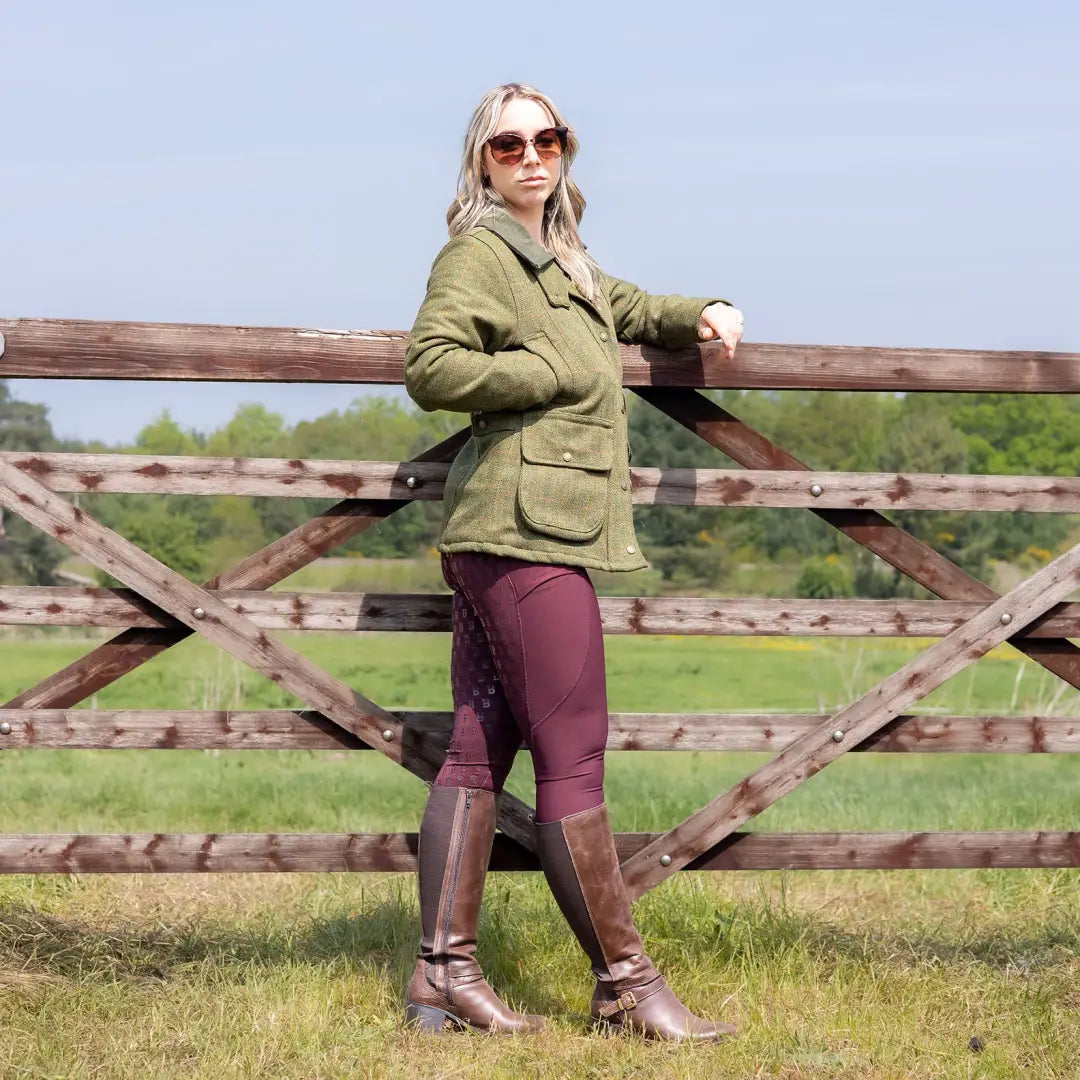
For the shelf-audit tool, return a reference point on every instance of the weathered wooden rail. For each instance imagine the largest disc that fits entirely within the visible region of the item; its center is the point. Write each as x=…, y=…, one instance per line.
x=158, y=608
x=282, y=478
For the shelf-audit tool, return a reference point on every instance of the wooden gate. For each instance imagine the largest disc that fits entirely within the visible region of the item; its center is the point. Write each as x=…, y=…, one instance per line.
x=236, y=612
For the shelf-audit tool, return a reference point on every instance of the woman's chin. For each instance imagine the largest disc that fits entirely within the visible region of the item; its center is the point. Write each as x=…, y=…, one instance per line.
x=530, y=198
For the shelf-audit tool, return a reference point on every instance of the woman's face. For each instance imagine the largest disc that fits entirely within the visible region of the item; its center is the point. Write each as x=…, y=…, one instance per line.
x=518, y=184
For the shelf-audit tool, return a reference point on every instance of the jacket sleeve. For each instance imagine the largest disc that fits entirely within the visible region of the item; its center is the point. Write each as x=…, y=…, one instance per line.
x=453, y=360
x=641, y=318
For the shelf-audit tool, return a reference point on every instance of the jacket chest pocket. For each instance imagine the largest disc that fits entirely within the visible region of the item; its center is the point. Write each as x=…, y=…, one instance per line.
x=565, y=463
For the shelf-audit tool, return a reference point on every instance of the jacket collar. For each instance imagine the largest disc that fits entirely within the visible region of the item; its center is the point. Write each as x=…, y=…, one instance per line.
x=500, y=221
x=552, y=278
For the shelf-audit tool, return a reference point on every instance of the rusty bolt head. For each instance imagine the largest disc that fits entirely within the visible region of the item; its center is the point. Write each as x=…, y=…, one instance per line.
x=198, y=613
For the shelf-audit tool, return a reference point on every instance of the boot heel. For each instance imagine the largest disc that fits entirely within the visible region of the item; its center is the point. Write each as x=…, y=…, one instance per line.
x=428, y=1018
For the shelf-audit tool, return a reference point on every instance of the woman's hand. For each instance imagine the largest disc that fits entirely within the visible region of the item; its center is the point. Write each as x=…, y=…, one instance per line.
x=724, y=322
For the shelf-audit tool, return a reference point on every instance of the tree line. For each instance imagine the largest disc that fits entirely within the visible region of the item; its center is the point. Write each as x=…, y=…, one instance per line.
x=691, y=546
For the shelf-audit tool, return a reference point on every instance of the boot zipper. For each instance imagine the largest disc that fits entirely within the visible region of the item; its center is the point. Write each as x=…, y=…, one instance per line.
x=454, y=875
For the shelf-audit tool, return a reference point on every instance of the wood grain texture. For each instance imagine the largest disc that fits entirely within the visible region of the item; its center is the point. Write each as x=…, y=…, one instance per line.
x=286, y=729
x=197, y=608
x=768, y=366
x=809, y=754
x=43, y=605
x=259, y=570
x=331, y=479
x=85, y=349
x=853, y=490
x=868, y=528
x=188, y=853
x=856, y=522
x=233, y=632
x=188, y=475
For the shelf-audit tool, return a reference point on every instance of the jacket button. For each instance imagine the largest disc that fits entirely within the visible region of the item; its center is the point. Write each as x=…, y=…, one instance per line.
x=630, y=548
x=481, y=423
x=624, y=485
x=566, y=455
x=603, y=335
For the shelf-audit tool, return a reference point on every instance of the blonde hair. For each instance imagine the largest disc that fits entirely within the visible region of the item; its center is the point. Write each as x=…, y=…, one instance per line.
x=564, y=205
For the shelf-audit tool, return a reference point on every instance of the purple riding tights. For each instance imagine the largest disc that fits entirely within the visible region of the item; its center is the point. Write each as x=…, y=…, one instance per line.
x=527, y=665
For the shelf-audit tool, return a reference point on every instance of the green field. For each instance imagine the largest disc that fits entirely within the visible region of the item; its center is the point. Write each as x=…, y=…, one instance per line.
x=862, y=974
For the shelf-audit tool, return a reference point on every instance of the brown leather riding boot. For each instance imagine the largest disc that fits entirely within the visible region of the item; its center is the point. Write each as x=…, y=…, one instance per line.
x=580, y=862
x=448, y=990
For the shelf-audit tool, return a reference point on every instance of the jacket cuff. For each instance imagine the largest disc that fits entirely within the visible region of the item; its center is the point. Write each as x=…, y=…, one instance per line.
x=679, y=321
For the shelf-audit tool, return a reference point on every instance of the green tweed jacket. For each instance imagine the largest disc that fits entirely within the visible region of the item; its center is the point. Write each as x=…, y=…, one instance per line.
x=504, y=335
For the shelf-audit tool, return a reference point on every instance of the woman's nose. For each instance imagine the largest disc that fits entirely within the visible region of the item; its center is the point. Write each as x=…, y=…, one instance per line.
x=531, y=156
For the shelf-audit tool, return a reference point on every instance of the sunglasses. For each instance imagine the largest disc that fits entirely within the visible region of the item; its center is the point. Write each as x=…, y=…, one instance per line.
x=509, y=148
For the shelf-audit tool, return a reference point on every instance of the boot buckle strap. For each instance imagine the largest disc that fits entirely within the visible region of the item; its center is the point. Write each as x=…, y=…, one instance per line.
x=623, y=1003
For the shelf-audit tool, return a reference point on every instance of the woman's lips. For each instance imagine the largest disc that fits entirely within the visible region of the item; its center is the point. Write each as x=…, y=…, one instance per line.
x=534, y=180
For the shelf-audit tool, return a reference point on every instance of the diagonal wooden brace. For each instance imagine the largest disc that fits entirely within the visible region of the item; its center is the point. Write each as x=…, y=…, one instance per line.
x=871, y=530
x=809, y=754
x=131, y=648
x=202, y=611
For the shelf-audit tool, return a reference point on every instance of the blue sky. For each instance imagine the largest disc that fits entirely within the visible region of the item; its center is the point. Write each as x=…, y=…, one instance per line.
x=848, y=173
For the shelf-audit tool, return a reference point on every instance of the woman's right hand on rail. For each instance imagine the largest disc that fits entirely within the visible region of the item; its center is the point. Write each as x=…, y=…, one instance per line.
x=724, y=322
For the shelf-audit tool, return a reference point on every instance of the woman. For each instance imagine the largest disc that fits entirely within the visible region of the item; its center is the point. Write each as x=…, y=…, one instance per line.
x=520, y=329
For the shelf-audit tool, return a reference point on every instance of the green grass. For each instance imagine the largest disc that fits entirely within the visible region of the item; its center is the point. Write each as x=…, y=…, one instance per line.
x=827, y=974
x=347, y=573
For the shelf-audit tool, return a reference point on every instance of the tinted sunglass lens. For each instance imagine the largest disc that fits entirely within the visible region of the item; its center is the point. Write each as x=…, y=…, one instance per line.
x=548, y=144
x=507, y=149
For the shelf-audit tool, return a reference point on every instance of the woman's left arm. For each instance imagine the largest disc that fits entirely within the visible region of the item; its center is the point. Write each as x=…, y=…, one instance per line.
x=672, y=321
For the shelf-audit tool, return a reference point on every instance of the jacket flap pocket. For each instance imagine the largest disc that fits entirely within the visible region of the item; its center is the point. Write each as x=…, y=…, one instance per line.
x=568, y=440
